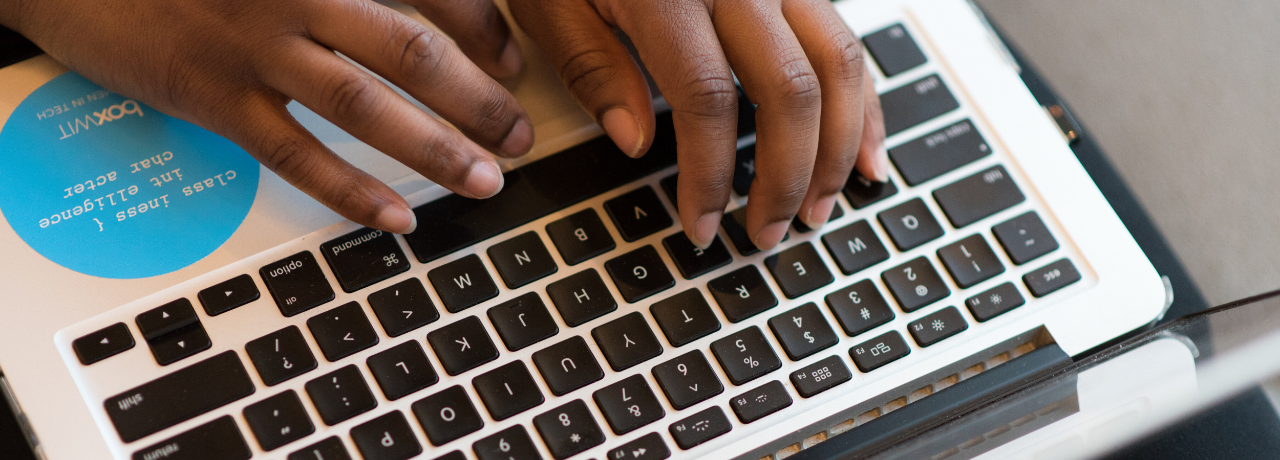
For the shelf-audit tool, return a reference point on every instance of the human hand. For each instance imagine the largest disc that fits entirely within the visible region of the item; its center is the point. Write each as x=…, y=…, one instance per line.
x=817, y=116
x=232, y=66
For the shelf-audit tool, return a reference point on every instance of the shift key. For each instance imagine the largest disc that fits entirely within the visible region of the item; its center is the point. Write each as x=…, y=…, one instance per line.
x=178, y=397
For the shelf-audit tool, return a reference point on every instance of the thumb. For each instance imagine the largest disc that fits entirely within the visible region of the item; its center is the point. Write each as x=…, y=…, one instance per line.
x=595, y=66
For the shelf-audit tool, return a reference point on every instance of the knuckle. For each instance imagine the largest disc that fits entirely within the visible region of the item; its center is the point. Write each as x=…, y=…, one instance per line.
x=422, y=51
x=350, y=96
x=783, y=186
x=491, y=112
x=797, y=86
x=712, y=94
x=845, y=56
x=587, y=70
x=288, y=156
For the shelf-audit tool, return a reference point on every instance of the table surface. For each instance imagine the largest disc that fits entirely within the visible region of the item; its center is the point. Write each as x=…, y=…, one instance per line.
x=1179, y=95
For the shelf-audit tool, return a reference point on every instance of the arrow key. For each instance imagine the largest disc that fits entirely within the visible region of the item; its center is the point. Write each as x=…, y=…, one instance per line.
x=342, y=331
x=103, y=344
x=179, y=344
x=647, y=447
x=228, y=295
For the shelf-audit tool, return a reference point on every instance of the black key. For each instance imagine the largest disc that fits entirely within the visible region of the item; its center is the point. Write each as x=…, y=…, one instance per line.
x=330, y=448
x=227, y=295
x=1025, y=238
x=403, y=307
x=536, y=190
x=522, y=260
x=280, y=355
x=859, y=307
x=939, y=152
x=1057, y=275
x=580, y=237
x=745, y=355
x=462, y=283
x=910, y=224
x=670, y=186
x=735, y=225
x=278, y=420
x=937, y=326
x=103, y=344
x=462, y=346
x=915, y=103
x=687, y=380
x=626, y=341
x=342, y=331
x=166, y=318
x=507, y=390
x=744, y=170
x=569, y=430
x=581, y=297
x=340, y=395
x=567, y=366
x=647, y=447
x=798, y=270
x=364, y=257
x=803, y=331
x=386, y=438
x=820, y=376
x=995, y=302
x=836, y=213
x=628, y=405
x=975, y=197
x=760, y=402
x=862, y=192
x=296, y=283
x=915, y=284
x=639, y=274
x=455, y=455
x=216, y=440
x=700, y=427
x=693, y=262
x=402, y=370
x=685, y=317
x=893, y=48
x=509, y=444
x=523, y=321
x=742, y=293
x=179, y=396
x=179, y=344
x=970, y=261
x=638, y=213
x=447, y=415
x=872, y=354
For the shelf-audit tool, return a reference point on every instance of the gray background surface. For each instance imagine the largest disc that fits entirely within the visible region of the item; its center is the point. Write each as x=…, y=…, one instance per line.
x=1184, y=98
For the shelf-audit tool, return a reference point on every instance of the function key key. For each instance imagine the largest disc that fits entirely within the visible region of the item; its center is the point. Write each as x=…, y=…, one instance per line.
x=693, y=262
x=627, y=341
x=581, y=297
x=995, y=302
x=296, y=283
x=403, y=307
x=638, y=213
x=735, y=225
x=685, y=317
x=910, y=224
x=859, y=307
x=567, y=366
x=647, y=447
x=1025, y=238
x=228, y=295
x=820, y=376
x=402, y=370
x=937, y=326
x=970, y=261
x=687, y=380
x=862, y=192
x=628, y=404
x=872, y=354
x=463, y=345
x=166, y=318
x=386, y=438
x=915, y=284
x=975, y=197
x=639, y=274
x=342, y=331
x=580, y=237
x=280, y=355
x=364, y=257
x=447, y=415
x=700, y=427
x=745, y=355
x=1057, y=275
x=219, y=439
x=803, y=331
x=523, y=321
x=916, y=102
x=744, y=170
x=569, y=429
x=893, y=48
x=278, y=420
x=508, y=390
x=103, y=344
x=509, y=444
x=340, y=395
x=798, y=270
x=939, y=152
x=760, y=402
x=329, y=449
x=742, y=293
x=522, y=260
x=855, y=247
x=463, y=283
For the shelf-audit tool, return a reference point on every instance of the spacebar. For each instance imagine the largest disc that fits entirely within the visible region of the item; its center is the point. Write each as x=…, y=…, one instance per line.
x=535, y=190
x=178, y=397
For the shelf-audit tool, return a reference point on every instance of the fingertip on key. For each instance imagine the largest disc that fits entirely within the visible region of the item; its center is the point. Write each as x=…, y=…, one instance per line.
x=625, y=130
x=820, y=212
x=704, y=230
x=396, y=218
x=483, y=180
x=771, y=235
x=880, y=165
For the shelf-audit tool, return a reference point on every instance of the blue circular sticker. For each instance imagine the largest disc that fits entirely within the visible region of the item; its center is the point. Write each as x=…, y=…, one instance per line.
x=103, y=185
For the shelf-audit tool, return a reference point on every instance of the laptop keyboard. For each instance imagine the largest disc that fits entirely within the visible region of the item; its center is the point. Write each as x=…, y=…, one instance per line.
x=573, y=304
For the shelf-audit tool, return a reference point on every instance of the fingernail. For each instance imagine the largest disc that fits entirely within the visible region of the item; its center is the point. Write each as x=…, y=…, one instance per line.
x=704, y=230
x=880, y=165
x=519, y=140
x=624, y=129
x=509, y=62
x=484, y=180
x=820, y=212
x=771, y=235
x=396, y=218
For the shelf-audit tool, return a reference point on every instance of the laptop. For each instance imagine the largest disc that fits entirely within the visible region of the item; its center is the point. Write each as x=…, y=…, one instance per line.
x=168, y=298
